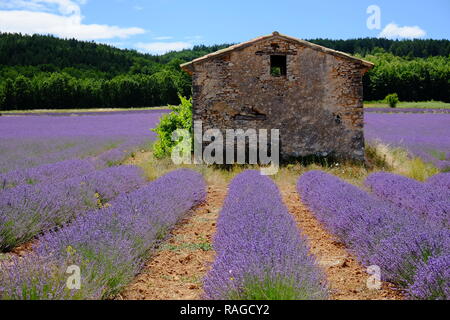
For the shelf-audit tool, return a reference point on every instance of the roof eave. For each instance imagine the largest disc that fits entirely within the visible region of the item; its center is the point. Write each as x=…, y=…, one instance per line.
x=188, y=67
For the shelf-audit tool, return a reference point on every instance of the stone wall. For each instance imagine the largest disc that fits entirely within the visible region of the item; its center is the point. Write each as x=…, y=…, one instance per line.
x=317, y=106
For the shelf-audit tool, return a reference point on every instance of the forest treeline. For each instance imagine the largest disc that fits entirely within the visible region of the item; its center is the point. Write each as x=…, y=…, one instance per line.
x=48, y=72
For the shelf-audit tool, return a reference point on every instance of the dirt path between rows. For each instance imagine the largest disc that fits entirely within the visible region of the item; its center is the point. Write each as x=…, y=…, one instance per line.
x=346, y=277
x=176, y=271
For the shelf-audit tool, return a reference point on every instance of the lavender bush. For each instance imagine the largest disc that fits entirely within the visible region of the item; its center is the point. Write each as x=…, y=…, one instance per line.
x=433, y=279
x=377, y=232
x=260, y=252
x=403, y=254
x=425, y=199
x=424, y=135
x=441, y=180
x=109, y=245
x=26, y=211
x=49, y=173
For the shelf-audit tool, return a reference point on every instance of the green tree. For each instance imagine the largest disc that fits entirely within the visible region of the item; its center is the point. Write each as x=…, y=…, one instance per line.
x=2, y=98
x=57, y=91
x=23, y=93
x=9, y=102
x=167, y=90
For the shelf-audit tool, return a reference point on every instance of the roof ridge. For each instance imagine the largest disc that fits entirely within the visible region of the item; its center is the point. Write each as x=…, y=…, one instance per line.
x=277, y=34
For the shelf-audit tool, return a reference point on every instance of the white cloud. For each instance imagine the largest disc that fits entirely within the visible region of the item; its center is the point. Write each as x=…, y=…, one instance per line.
x=58, y=17
x=392, y=30
x=162, y=47
x=21, y=4
x=116, y=44
x=65, y=7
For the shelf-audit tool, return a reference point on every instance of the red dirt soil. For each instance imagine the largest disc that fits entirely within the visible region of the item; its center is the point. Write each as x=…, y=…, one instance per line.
x=347, y=278
x=177, y=269
x=20, y=251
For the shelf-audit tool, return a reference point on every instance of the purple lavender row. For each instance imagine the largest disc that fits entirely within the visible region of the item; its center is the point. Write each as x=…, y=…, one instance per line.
x=109, y=245
x=424, y=135
x=425, y=199
x=402, y=244
x=441, y=180
x=20, y=154
x=38, y=140
x=260, y=252
x=60, y=171
x=49, y=173
x=117, y=155
x=406, y=110
x=91, y=113
x=28, y=210
x=104, y=127
x=27, y=154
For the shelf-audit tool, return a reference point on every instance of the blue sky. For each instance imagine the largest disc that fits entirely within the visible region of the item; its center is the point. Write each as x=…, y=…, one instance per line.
x=157, y=26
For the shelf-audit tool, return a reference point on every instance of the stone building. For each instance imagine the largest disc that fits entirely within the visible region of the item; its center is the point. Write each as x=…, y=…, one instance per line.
x=312, y=94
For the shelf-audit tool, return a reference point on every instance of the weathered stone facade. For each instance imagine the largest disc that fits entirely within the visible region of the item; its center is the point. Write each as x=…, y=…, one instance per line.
x=317, y=105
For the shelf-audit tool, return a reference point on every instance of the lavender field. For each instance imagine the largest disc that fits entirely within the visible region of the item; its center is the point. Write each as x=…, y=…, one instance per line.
x=68, y=198
x=424, y=135
x=393, y=227
x=32, y=141
x=64, y=188
x=110, y=244
x=54, y=169
x=406, y=110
